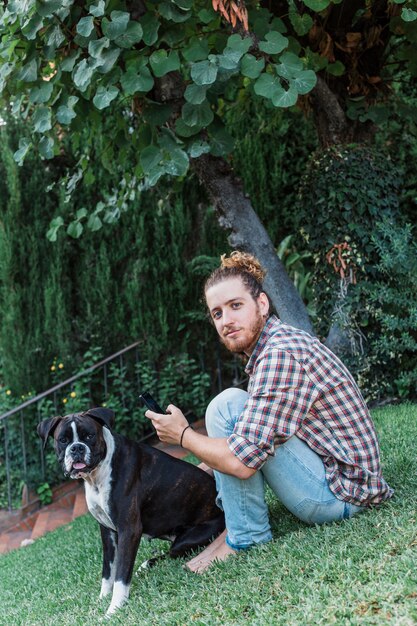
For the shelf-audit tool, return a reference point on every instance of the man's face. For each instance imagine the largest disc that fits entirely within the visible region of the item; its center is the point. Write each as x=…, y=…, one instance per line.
x=238, y=318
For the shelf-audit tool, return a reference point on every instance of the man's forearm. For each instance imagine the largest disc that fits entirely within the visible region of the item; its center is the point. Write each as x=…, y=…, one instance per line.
x=216, y=454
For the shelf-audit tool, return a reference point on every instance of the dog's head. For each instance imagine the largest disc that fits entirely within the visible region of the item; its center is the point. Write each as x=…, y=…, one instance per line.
x=79, y=439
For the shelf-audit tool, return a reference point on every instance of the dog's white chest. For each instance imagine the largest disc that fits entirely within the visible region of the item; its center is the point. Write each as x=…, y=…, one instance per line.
x=97, y=492
x=98, y=505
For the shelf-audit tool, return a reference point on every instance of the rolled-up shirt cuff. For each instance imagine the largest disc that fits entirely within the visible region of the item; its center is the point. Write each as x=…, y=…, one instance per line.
x=247, y=452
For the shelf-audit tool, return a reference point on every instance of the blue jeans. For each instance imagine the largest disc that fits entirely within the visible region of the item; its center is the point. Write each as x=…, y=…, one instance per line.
x=295, y=474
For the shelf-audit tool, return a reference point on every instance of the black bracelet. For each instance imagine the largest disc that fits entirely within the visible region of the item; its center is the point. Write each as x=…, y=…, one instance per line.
x=182, y=434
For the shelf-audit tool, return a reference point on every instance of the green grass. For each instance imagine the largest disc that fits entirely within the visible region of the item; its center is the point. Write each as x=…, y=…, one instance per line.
x=361, y=571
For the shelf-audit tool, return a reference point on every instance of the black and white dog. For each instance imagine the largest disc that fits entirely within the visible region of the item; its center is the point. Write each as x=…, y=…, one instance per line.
x=132, y=490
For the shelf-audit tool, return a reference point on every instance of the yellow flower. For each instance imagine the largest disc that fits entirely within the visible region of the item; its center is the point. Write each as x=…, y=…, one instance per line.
x=61, y=366
x=8, y=392
x=53, y=368
x=73, y=394
x=65, y=400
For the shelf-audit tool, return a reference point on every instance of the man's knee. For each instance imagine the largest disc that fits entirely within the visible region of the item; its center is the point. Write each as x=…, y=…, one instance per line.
x=223, y=410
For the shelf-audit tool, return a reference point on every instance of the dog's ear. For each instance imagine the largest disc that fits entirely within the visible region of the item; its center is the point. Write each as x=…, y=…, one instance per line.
x=47, y=427
x=102, y=415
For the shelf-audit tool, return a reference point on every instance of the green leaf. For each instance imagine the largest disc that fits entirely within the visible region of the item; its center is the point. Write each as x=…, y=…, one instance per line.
x=133, y=81
x=42, y=119
x=68, y=63
x=65, y=114
x=267, y=85
x=221, y=142
x=150, y=26
x=29, y=72
x=55, y=37
x=305, y=81
x=184, y=4
x=301, y=23
x=5, y=70
x=275, y=43
x=208, y=15
x=97, y=9
x=97, y=47
x=150, y=157
x=229, y=60
x=104, y=96
x=178, y=163
x=195, y=94
x=251, y=67
x=46, y=147
x=81, y=213
x=290, y=65
x=408, y=15
x=336, y=69
x=48, y=7
x=54, y=226
x=170, y=12
x=131, y=36
x=94, y=223
x=75, y=229
x=19, y=155
x=317, y=5
x=41, y=94
x=285, y=99
x=199, y=115
x=239, y=44
x=32, y=26
x=197, y=50
x=85, y=26
x=117, y=26
x=107, y=60
x=82, y=75
x=162, y=63
x=205, y=72
x=197, y=148
x=183, y=130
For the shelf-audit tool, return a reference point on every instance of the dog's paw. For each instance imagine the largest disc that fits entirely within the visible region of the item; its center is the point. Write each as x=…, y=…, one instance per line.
x=119, y=597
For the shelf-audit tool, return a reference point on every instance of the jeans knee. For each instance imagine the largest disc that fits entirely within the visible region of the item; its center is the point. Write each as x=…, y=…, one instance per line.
x=224, y=409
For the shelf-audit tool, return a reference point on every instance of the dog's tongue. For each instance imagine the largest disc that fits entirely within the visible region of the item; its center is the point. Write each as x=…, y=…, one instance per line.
x=79, y=466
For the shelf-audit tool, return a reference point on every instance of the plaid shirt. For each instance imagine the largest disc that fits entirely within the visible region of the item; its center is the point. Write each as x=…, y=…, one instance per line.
x=297, y=386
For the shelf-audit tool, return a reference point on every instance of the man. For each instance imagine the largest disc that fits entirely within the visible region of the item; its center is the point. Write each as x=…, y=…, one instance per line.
x=302, y=426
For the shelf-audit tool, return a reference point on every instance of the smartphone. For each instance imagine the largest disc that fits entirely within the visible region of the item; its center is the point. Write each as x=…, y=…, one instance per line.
x=151, y=403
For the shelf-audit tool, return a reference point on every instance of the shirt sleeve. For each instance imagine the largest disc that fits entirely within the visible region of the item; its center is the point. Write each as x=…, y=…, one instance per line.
x=280, y=397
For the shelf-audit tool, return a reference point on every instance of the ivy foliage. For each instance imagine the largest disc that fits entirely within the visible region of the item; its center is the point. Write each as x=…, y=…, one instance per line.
x=166, y=71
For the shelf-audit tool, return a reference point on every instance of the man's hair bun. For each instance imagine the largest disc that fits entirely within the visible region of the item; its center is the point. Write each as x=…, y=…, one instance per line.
x=244, y=262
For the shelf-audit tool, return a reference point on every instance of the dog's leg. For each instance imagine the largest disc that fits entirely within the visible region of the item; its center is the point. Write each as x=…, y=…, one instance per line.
x=127, y=547
x=109, y=542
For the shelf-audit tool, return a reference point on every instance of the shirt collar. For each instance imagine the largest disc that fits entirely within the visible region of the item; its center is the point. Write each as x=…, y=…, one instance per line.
x=266, y=333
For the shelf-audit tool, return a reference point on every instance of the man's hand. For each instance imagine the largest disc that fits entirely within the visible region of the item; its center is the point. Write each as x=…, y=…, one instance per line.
x=214, y=452
x=169, y=428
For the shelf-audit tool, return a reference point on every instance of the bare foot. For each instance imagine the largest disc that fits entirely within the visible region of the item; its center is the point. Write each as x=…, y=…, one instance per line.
x=218, y=550
x=209, y=549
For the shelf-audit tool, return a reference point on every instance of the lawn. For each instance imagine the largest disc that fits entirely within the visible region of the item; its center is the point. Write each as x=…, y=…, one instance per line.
x=361, y=571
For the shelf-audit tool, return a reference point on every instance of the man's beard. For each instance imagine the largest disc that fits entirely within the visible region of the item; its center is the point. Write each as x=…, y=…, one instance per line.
x=248, y=341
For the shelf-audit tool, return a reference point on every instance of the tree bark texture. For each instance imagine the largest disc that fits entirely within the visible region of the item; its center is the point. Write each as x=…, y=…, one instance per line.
x=236, y=214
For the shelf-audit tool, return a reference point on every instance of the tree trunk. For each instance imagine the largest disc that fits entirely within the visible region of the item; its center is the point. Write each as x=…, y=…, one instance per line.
x=235, y=213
